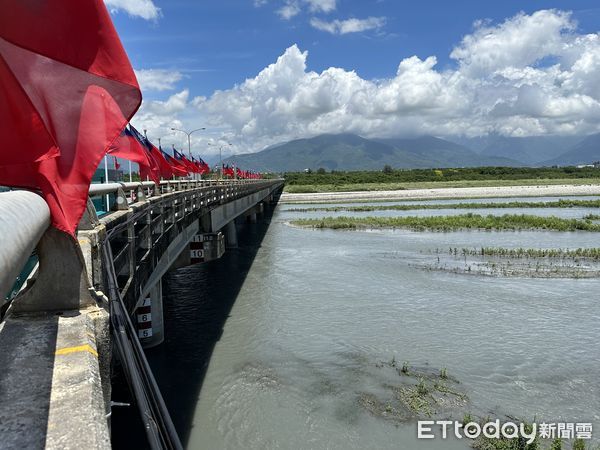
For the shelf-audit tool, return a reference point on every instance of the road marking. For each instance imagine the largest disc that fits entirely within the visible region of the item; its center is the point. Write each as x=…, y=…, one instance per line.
x=80, y=348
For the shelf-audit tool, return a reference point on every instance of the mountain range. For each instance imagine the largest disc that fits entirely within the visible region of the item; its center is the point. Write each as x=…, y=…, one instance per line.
x=353, y=152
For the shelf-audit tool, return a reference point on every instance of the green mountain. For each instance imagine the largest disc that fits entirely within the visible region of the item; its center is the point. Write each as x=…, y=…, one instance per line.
x=352, y=152
x=585, y=152
x=531, y=150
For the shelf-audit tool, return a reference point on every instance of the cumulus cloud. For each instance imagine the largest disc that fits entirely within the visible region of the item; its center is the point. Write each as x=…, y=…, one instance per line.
x=157, y=79
x=348, y=25
x=146, y=9
x=529, y=75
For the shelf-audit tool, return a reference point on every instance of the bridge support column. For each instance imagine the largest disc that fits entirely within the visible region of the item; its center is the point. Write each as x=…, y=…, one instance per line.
x=231, y=235
x=252, y=215
x=151, y=327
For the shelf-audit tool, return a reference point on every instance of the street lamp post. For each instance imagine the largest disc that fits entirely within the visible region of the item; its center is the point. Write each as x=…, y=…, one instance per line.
x=221, y=157
x=189, y=134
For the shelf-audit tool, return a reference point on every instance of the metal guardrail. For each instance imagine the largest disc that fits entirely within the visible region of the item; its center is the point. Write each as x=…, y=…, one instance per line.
x=24, y=217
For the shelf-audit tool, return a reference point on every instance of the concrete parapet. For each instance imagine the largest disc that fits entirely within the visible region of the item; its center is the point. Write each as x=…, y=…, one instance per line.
x=50, y=382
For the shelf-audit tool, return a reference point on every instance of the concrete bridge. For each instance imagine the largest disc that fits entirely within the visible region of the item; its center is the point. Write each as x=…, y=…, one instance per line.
x=85, y=302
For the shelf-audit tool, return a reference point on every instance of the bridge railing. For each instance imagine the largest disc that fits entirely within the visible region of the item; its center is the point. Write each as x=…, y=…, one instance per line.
x=24, y=217
x=144, y=218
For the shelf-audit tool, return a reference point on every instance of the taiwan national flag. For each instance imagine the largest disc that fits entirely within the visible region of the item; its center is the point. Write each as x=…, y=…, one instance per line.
x=177, y=168
x=227, y=170
x=191, y=167
x=128, y=146
x=154, y=155
x=202, y=166
x=67, y=90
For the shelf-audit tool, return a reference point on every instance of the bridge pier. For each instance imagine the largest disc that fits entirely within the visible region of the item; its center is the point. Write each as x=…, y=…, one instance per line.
x=231, y=240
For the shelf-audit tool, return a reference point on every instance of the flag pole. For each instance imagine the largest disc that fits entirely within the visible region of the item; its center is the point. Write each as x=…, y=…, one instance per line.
x=106, y=180
x=130, y=175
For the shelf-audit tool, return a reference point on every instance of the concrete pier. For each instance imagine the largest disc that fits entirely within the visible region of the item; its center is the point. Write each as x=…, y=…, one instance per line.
x=231, y=240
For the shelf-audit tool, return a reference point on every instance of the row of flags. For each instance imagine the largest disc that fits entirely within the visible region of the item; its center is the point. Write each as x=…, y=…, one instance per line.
x=67, y=93
x=156, y=164
x=236, y=172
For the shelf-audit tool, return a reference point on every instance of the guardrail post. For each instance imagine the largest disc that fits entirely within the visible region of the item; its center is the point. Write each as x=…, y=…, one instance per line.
x=120, y=203
x=57, y=287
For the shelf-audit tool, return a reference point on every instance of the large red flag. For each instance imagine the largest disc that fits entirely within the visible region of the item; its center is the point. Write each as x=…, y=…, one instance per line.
x=67, y=91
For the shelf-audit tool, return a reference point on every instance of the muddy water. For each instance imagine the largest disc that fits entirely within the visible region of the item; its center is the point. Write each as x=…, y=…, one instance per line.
x=275, y=345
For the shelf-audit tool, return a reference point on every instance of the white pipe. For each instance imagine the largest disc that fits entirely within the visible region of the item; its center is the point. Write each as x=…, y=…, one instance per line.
x=24, y=217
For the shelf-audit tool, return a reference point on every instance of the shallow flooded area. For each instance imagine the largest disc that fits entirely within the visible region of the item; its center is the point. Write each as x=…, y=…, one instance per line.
x=306, y=349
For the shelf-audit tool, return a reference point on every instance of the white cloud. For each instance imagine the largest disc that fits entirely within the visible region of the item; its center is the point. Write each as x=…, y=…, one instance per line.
x=146, y=9
x=325, y=6
x=506, y=80
x=157, y=79
x=291, y=8
x=518, y=42
x=348, y=25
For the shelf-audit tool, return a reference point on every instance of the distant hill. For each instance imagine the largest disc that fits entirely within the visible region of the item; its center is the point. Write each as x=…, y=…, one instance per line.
x=531, y=151
x=352, y=152
x=585, y=152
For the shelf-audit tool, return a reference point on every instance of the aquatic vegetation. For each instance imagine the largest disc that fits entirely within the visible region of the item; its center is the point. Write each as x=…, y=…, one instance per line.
x=520, y=252
x=404, y=368
x=556, y=444
x=443, y=373
x=417, y=401
x=422, y=387
x=452, y=223
x=518, y=262
x=419, y=393
x=470, y=205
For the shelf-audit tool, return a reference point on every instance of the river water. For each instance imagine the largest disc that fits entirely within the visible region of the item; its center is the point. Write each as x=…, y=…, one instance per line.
x=274, y=345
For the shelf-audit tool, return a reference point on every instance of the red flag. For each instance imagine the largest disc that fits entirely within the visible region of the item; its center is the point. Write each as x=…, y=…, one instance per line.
x=127, y=146
x=67, y=90
x=183, y=161
x=177, y=168
x=117, y=165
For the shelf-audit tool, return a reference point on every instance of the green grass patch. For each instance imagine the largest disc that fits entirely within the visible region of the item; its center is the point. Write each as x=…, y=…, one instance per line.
x=451, y=223
x=470, y=205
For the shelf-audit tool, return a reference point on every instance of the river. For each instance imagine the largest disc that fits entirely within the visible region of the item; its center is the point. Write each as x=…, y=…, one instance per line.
x=274, y=345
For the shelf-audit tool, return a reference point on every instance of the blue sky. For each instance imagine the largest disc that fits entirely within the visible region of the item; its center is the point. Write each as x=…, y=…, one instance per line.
x=187, y=50
x=217, y=44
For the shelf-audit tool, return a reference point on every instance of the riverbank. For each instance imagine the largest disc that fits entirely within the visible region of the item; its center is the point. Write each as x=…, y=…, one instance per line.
x=443, y=193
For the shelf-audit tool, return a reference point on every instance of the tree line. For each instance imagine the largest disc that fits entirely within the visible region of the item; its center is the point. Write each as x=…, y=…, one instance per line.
x=390, y=175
